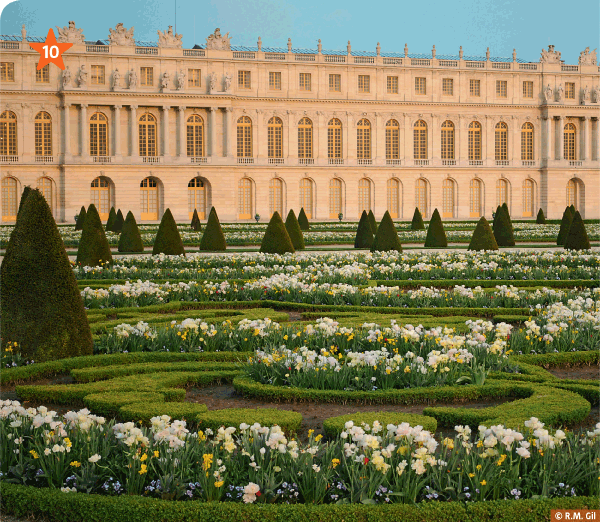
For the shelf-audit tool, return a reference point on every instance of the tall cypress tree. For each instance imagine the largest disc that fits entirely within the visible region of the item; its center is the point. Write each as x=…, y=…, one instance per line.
x=276, y=239
x=293, y=228
x=436, y=235
x=93, y=248
x=364, y=233
x=80, y=219
x=130, y=239
x=213, y=239
x=387, y=237
x=168, y=241
x=303, y=220
x=417, y=220
x=565, y=225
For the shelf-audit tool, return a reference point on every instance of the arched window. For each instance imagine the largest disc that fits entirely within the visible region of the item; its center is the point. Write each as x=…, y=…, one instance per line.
x=569, y=142
x=420, y=140
x=195, y=136
x=44, y=185
x=43, y=134
x=575, y=194
x=448, y=140
x=392, y=140
x=527, y=142
x=364, y=195
x=149, y=199
x=196, y=198
x=245, y=199
x=421, y=197
x=475, y=197
x=334, y=138
x=393, y=197
x=528, y=198
x=100, y=197
x=305, y=139
x=448, y=198
x=306, y=196
x=244, y=137
x=363, y=139
x=147, y=139
x=98, y=134
x=474, y=141
x=9, y=199
x=335, y=198
x=275, y=138
x=8, y=134
x=501, y=141
x=501, y=192
x=276, y=196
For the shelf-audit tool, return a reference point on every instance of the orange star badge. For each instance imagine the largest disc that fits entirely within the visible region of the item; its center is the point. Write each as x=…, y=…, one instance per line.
x=50, y=51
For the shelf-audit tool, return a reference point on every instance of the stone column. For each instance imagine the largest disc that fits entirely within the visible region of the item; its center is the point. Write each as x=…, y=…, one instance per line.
x=230, y=153
x=66, y=116
x=213, y=131
x=585, y=138
x=85, y=145
x=560, y=141
x=117, y=130
x=165, y=109
x=181, y=130
x=132, y=131
x=546, y=138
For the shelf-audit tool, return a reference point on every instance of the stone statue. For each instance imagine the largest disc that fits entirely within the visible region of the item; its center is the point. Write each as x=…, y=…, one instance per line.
x=289, y=45
x=82, y=77
x=66, y=77
x=228, y=79
x=550, y=56
x=560, y=93
x=587, y=58
x=213, y=82
x=116, y=78
x=164, y=80
x=132, y=77
x=596, y=95
x=585, y=95
x=70, y=34
x=180, y=80
x=168, y=39
x=121, y=36
x=23, y=33
x=218, y=42
x=548, y=93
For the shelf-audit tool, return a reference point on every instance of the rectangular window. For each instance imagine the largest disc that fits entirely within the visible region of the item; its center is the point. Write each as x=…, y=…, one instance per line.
x=447, y=86
x=194, y=78
x=569, y=91
x=527, y=89
x=475, y=87
x=7, y=72
x=335, y=83
x=420, y=86
x=97, y=74
x=275, y=81
x=305, y=82
x=392, y=85
x=501, y=88
x=364, y=83
x=146, y=76
x=43, y=75
x=244, y=79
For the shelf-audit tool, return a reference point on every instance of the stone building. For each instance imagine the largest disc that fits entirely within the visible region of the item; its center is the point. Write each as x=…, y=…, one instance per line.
x=250, y=130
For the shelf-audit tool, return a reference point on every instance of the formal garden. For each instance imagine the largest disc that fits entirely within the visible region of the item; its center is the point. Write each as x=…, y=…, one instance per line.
x=355, y=371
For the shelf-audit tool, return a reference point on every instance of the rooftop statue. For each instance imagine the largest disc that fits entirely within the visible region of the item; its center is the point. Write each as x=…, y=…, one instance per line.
x=550, y=56
x=70, y=34
x=587, y=58
x=121, y=36
x=218, y=42
x=169, y=39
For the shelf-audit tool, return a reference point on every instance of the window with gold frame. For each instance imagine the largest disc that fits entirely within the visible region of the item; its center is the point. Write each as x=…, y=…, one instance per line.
x=363, y=139
x=196, y=198
x=447, y=138
x=475, y=88
x=275, y=196
x=244, y=137
x=335, y=83
x=98, y=76
x=43, y=134
x=569, y=91
x=275, y=80
x=527, y=142
x=7, y=71
x=420, y=86
x=364, y=83
x=392, y=85
x=448, y=198
x=149, y=199
x=146, y=76
x=364, y=195
x=306, y=196
x=392, y=140
x=9, y=198
x=569, y=142
x=421, y=197
x=448, y=86
x=393, y=197
x=275, y=138
x=147, y=135
x=501, y=141
x=244, y=78
x=195, y=135
x=305, y=138
x=43, y=75
x=501, y=88
x=420, y=139
x=335, y=198
x=100, y=196
x=501, y=192
x=194, y=77
x=98, y=134
x=245, y=203
x=475, y=198
x=44, y=185
x=8, y=134
x=334, y=138
x=527, y=89
x=305, y=81
x=528, y=197
x=573, y=194
x=474, y=141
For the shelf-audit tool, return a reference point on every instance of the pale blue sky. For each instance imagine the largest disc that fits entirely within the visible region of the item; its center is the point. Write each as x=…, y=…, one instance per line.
x=527, y=25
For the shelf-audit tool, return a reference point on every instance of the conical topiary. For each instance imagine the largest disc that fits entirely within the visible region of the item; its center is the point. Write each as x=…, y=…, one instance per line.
x=364, y=233
x=118, y=224
x=372, y=222
x=112, y=215
x=26, y=190
x=573, y=210
x=577, y=238
x=80, y=219
x=505, y=207
x=213, y=238
x=293, y=229
x=276, y=239
x=42, y=309
x=93, y=246
x=168, y=241
x=483, y=237
x=130, y=239
x=496, y=216
x=436, y=235
x=502, y=228
x=417, y=220
x=565, y=225
x=540, y=219
x=303, y=220
x=196, y=225
x=386, y=237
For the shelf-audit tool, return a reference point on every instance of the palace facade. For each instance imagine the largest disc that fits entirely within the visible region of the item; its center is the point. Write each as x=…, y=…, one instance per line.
x=250, y=130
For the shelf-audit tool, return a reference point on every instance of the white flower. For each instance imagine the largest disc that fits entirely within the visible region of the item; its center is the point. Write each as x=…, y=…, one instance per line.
x=522, y=452
x=94, y=458
x=250, y=492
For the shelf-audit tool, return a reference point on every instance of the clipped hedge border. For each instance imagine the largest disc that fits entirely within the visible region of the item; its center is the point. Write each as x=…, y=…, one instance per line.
x=490, y=283
x=335, y=425
x=144, y=411
x=287, y=420
x=549, y=360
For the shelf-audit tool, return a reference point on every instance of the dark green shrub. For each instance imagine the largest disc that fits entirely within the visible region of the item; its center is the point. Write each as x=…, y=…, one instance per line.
x=26, y=190
x=213, y=238
x=303, y=220
x=496, y=217
x=436, y=235
x=119, y=221
x=503, y=230
x=288, y=421
x=577, y=239
x=42, y=309
x=143, y=410
x=335, y=425
x=417, y=221
x=364, y=233
x=293, y=228
x=168, y=241
x=93, y=245
x=505, y=207
x=130, y=239
x=483, y=237
x=80, y=219
x=196, y=225
x=112, y=215
x=565, y=225
x=573, y=210
x=276, y=239
x=386, y=237
x=372, y=222
x=541, y=219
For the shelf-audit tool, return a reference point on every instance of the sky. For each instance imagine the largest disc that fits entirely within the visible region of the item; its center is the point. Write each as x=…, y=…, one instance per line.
x=527, y=25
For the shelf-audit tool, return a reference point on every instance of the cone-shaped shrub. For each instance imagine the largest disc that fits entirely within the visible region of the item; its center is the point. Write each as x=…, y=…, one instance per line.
x=303, y=220
x=168, y=241
x=112, y=215
x=42, y=309
x=130, y=239
x=196, y=225
x=80, y=219
x=119, y=221
x=565, y=225
x=26, y=190
x=483, y=237
x=502, y=229
x=540, y=219
x=386, y=237
x=93, y=245
x=293, y=229
x=496, y=217
x=276, y=239
x=577, y=238
x=436, y=235
x=417, y=221
x=505, y=207
x=373, y=222
x=213, y=238
x=572, y=207
x=364, y=233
